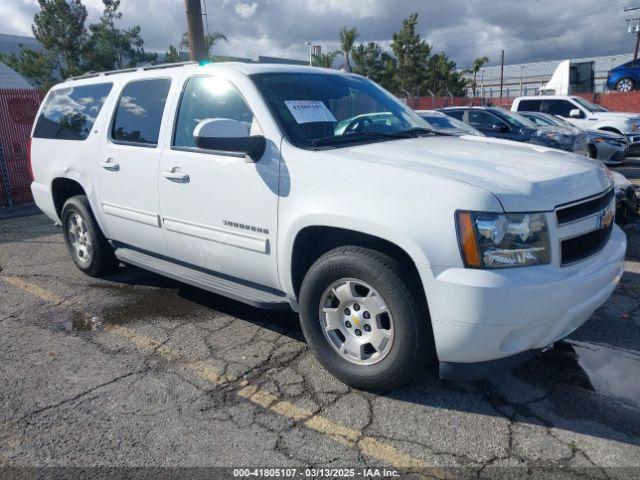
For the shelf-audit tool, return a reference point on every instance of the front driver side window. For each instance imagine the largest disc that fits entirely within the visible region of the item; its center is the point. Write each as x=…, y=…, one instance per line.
x=562, y=108
x=484, y=120
x=208, y=97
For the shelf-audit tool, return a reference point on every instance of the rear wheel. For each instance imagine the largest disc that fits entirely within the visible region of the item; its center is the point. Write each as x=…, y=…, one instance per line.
x=625, y=85
x=88, y=247
x=363, y=319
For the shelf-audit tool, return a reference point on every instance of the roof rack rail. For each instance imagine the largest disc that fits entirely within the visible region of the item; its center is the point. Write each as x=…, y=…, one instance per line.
x=157, y=66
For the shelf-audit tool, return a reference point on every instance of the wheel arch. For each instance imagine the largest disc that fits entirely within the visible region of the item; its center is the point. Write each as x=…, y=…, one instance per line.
x=313, y=241
x=611, y=129
x=62, y=189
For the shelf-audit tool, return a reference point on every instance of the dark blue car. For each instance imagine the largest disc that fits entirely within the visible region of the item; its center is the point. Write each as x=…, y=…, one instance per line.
x=625, y=77
x=500, y=123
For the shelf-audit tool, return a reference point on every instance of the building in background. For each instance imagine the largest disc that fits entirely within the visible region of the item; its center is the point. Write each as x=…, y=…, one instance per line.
x=529, y=78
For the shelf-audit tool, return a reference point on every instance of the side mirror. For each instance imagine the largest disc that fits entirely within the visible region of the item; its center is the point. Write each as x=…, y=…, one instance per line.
x=226, y=135
x=575, y=113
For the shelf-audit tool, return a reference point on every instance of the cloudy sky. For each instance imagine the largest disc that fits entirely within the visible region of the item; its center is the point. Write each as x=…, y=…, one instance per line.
x=529, y=30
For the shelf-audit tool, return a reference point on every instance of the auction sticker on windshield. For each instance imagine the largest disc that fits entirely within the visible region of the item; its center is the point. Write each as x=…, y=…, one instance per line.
x=309, y=111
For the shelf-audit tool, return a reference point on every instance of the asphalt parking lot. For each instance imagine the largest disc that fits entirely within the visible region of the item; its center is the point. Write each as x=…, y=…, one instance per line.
x=135, y=370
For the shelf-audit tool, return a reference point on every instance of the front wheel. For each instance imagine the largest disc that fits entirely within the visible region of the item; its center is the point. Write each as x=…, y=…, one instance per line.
x=364, y=319
x=625, y=85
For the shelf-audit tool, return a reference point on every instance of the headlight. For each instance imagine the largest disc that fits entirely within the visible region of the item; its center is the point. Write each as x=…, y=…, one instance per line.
x=634, y=124
x=498, y=240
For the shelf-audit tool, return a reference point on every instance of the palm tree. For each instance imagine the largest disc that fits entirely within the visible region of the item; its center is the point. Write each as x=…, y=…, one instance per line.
x=348, y=37
x=478, y=64
x=325, y=60
x=210, y=41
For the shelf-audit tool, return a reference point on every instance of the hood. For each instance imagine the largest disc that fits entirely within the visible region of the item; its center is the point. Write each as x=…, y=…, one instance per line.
x=523, y=177
x=615, y=115
x=607, y=135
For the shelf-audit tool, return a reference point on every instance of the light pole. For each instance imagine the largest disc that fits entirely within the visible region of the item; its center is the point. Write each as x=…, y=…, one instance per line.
x=310, y=45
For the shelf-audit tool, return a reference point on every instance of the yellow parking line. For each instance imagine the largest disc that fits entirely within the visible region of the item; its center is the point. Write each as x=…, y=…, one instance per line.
x=368, y=446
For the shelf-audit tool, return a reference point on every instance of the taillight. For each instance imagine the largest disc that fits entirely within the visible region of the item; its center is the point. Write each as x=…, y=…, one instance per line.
x=29, y=158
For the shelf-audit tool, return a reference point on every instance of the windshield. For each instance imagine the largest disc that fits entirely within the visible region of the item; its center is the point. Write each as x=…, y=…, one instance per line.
x=592, y=107
x=444, y=122
x=515, y=119
x=331, y=111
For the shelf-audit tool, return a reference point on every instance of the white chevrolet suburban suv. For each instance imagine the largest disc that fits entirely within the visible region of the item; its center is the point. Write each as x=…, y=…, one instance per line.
x=285, y=187
x=584, y=114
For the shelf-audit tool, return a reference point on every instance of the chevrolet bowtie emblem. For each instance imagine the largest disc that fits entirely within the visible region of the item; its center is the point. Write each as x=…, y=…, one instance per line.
x=606, y=217
x=355, y=320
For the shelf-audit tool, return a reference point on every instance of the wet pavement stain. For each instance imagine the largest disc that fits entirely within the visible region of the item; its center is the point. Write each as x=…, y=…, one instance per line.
x=79, y=322
x=610, y=372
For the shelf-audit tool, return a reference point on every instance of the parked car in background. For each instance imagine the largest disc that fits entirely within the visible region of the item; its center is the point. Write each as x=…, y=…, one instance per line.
x=446, y=124
x=500, y=123
x=610, y=148
x=398, y=245
x=625, y=77
x=585, y=114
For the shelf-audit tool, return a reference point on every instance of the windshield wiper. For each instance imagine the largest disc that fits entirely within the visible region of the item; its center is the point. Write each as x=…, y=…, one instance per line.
x=357, y=137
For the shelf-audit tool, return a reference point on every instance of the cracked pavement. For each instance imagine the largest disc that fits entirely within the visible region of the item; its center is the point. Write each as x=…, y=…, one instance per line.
x=136, y=370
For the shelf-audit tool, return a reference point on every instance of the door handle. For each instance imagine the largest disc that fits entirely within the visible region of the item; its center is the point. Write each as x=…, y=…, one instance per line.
x=175, y=174
x=110, y=165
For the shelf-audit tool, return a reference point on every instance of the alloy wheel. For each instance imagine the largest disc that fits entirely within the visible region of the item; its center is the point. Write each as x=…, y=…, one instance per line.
x=79, y=238
x=356, y=321
x=625, y=85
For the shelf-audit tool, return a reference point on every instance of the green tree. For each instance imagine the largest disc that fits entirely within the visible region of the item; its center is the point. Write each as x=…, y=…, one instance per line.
x=442, y=77
x=348, y=37
x=369, y=60
x=68, y=48
x=412, y=54
x=325, y=60
x=38, y=67
x=210, y=41
x=59, y=26
x=478, y=64
x=172, y=55
x=110, y=47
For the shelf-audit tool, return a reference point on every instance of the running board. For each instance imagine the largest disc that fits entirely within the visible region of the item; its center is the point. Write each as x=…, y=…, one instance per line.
x=212, y=283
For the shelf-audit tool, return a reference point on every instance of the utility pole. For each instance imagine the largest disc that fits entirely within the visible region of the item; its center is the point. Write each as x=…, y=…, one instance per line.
x=634, y=27
x=195, y=30
x=501, y=75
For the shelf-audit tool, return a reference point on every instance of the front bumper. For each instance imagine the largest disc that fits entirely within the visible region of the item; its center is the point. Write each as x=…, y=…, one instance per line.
x=487, y=315
x=634, y=144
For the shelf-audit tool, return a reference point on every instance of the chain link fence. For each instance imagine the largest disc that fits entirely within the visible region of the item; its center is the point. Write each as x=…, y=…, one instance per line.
x=17, y=112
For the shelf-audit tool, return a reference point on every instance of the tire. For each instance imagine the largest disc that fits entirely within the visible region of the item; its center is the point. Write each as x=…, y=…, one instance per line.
x=592, y=152
x=625, y=85
x=85, y=242
x=411, y=347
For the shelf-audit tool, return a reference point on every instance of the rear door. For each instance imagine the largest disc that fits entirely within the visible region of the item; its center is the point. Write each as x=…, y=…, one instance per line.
x=530, y=106
x=128, y=166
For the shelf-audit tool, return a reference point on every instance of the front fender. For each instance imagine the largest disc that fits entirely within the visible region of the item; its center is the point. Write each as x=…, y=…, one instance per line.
x=288, y=238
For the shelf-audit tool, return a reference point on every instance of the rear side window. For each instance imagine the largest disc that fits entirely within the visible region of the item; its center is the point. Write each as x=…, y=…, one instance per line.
x=139, y=113
x=208, y=97
x=69, y=113
x=530, y=106
x=459, y=114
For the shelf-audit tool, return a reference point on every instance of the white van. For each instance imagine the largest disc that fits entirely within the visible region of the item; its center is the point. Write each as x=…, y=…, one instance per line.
x=284, y=187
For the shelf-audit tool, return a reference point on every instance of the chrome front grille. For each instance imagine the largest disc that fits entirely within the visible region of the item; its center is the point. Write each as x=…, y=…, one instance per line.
x=584, y=208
